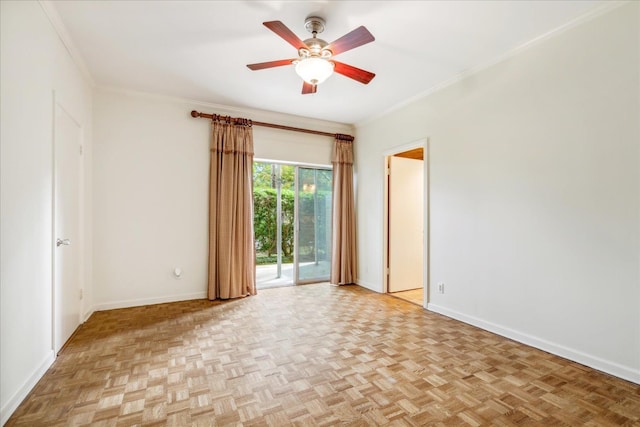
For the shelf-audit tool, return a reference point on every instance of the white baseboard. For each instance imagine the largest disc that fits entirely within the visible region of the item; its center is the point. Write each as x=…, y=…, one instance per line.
x=147, y=301
x=369, y=286
x=14, y=401
x=87, y=314
x=594, y=362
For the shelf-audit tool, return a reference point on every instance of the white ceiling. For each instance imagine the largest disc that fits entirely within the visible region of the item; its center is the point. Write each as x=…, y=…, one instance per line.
x=198, y=50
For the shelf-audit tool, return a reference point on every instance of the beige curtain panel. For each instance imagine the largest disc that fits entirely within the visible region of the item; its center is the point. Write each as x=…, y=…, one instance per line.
x=343, y=257
x=231, y=246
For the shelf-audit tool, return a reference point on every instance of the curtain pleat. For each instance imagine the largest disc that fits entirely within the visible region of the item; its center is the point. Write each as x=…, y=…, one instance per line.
x=231, y=240
x=344, y=262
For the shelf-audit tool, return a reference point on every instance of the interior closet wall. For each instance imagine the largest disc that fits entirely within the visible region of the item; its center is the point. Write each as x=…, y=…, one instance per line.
x=406, y=193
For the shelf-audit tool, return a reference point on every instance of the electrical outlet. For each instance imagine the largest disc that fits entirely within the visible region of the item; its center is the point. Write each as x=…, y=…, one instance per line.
x=441, y=287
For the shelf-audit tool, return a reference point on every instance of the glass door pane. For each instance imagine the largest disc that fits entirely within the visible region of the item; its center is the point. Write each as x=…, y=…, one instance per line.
x=287, y=222
x=273, y=221
x=313, y=259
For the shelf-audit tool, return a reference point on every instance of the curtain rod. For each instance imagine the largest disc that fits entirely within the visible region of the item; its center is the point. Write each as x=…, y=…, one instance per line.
x=196, y=114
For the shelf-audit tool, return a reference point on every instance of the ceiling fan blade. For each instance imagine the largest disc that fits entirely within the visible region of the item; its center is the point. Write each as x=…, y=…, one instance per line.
x=270, y=64
x=352, y=72
x=308, y=88
x=351, y=40
x=280, y=29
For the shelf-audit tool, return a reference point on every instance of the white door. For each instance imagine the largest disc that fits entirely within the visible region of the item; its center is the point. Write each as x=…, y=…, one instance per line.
x=406, y=195
x=66, y=292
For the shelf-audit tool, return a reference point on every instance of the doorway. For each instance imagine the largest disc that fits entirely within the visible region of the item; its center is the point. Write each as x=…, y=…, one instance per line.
x=292, y=223
x=67, y=291
x=405, y=230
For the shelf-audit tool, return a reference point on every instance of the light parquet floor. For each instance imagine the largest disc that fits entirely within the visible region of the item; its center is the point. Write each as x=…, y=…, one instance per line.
x=313, y=355
x=415, y=296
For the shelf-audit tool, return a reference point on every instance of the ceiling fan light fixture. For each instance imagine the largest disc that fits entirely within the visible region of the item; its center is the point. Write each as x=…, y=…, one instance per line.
x=314, y=70
x=315, y=62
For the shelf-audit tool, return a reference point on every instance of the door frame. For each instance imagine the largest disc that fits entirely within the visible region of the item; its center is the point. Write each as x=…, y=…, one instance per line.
x=424, y=144
x=55, y=320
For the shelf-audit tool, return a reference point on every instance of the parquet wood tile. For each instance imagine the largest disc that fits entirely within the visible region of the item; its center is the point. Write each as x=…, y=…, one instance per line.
x=313, y=355
x=415, y=296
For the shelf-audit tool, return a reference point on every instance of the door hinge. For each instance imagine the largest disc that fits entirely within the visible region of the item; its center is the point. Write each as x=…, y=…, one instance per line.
x=388, y=171
x=81, y=150
x=80, y=293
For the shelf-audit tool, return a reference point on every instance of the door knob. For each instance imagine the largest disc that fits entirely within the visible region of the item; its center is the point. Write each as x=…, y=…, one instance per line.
x=61, y=242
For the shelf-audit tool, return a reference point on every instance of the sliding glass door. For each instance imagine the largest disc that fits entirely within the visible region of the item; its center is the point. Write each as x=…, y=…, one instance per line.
x=313, y=206
x=273, y=223
x=292, y=224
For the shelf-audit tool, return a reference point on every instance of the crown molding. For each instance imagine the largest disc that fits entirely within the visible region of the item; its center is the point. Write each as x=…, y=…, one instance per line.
x=250, y=113
x=586, y=17
x=48, y=6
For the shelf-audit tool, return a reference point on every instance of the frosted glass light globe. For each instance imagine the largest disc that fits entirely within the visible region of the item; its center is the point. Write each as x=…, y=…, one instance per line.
x=314, y=70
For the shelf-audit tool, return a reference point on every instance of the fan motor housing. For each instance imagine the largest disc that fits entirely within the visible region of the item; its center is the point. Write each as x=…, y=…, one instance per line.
x=315, y=25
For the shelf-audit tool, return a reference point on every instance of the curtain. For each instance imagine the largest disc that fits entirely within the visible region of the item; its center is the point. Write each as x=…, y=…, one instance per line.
x=343, y=254
x=231, y=242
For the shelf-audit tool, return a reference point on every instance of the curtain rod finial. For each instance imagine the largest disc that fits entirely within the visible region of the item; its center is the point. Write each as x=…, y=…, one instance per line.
x=194, y=113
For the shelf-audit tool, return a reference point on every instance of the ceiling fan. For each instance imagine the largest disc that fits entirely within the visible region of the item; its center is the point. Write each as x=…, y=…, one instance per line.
x=315, y=62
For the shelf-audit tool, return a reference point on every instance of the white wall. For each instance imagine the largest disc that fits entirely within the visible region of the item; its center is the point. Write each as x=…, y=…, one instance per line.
x=534, y=193
x=34, y=63
x=151, y=171
x=274, y=144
